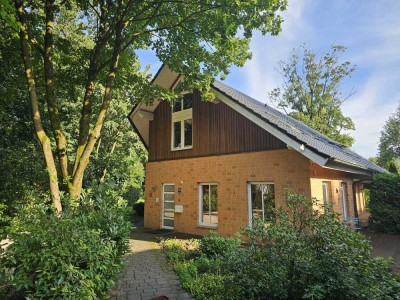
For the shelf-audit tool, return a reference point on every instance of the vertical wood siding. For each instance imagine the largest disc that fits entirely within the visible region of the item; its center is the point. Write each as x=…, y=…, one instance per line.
x=217, y=129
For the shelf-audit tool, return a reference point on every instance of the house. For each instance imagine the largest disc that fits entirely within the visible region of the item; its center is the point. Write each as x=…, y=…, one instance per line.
x=217, y=165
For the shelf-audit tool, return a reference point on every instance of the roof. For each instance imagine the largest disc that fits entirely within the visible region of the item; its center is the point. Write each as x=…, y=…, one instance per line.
x=317, y=147
x=298, y=130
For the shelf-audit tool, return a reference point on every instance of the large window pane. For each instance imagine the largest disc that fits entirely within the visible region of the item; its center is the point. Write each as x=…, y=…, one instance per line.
x=188, y=132
x=262, y=201
x=177, y=134
x=213, y=205
x=209, y=205
x=187, y=101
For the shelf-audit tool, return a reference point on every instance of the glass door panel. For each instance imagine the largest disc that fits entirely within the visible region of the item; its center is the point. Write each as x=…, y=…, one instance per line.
x=168, y=206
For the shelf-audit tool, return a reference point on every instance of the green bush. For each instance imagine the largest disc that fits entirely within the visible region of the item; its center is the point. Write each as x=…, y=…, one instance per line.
x=76, y=255
x=309, y=256
x=384, y=203
x=209, y=286
x=214, y=245
x=301, y=254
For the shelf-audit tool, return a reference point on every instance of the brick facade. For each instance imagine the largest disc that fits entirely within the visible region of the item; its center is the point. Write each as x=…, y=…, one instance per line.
x=231, y=173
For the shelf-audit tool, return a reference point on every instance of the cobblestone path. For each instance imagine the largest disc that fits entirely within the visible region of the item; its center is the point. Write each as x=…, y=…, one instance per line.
x=146, y=274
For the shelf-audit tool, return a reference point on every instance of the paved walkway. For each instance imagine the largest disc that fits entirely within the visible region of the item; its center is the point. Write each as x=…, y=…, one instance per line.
x=146, y=274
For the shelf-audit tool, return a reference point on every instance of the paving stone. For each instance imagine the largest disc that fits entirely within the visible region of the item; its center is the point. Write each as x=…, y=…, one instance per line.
x=146, y=272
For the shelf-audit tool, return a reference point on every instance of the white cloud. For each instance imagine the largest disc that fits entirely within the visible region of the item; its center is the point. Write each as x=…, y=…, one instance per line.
x=369, y=110
x=259, y=75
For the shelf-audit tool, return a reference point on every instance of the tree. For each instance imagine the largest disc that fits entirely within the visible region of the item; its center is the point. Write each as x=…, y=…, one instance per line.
x=119, y=155
x=200, y=39
x=312, y=91
x=389, y=142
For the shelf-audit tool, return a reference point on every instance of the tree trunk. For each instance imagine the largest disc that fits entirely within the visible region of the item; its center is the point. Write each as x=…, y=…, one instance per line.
x=76, y=185
x=59, y=136
x=37, y=120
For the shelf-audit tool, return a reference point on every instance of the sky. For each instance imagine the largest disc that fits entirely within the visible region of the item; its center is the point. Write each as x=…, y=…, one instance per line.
x=371, y=32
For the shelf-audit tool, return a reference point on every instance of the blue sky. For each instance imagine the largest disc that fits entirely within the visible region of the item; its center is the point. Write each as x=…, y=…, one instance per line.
x=371, y=32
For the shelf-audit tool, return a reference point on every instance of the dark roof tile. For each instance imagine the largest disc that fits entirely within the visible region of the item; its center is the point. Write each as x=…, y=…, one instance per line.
x=298, y=130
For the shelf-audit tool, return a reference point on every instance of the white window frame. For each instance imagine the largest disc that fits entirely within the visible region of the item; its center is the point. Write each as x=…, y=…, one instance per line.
x=181, y=116
x=200, y=223
x=249, y=202
x=163, y=201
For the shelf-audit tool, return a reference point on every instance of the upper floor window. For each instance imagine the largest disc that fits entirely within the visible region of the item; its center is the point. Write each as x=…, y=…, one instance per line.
x=182, y=132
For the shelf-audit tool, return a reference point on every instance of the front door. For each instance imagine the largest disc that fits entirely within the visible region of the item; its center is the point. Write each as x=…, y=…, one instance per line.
x=168, y=206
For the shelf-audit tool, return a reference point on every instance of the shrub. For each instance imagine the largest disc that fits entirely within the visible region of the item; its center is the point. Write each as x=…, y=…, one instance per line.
x=384, y=203
x=179, y=250
x=310, y=255
x=209, y=286
x=76, y=255
x=214, y=245
x=301, y=254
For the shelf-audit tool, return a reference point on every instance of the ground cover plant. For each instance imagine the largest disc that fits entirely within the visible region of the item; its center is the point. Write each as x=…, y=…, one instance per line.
x=301, y=254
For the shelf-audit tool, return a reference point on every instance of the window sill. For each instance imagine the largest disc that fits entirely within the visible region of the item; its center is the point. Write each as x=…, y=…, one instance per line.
x=207, y=226
x=180, y=149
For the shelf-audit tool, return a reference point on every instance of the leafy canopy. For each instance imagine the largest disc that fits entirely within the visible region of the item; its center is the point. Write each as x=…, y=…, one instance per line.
x=77, y=57
x=389, y=142
x=312, y=91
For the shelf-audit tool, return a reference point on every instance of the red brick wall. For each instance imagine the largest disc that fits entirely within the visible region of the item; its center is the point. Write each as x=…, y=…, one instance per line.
x=286, y=168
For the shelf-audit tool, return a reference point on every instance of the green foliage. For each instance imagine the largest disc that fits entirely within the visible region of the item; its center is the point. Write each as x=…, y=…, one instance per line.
x=312, y=91
x=179, y=250
x=76, y=255
x=384, y=203
x=393, y=167
x=389, y=142
x=209, y=286
x=214, y=245
x=301, y=254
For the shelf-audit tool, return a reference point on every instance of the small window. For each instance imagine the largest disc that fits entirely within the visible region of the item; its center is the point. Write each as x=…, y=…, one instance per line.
x=182, y=125
x=261, y=201
x=208, y=204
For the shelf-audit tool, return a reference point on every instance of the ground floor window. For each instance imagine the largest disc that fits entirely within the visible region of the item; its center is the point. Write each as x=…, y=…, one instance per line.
x=261, y=201
x=326, y=187
x=208, y=204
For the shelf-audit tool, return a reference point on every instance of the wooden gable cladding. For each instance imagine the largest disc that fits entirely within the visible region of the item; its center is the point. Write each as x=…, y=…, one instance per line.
x=217, y=130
